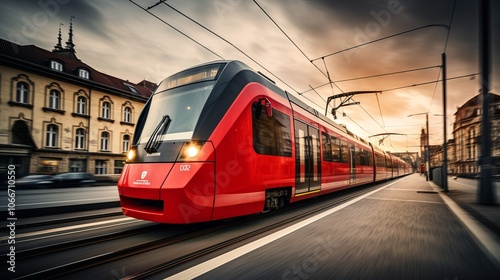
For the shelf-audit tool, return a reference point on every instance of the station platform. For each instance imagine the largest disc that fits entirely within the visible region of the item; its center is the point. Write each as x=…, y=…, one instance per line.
x=408, y=229
x=464, y=192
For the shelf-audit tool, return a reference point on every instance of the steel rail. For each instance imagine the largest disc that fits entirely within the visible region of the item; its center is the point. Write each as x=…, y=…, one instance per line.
x=101, y=259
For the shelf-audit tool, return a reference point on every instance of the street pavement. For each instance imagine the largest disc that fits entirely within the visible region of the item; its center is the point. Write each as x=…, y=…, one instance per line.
x=38, y=202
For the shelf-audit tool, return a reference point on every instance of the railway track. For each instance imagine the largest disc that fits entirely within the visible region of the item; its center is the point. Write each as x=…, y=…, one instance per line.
x=247, y=236
x=190, y=242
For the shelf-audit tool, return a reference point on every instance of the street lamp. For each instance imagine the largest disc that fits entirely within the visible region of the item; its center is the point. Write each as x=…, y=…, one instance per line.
x=427, y=156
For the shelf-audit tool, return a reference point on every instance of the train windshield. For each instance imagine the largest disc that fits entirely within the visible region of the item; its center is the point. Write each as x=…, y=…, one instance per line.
x=181, y=97
x=183, y=105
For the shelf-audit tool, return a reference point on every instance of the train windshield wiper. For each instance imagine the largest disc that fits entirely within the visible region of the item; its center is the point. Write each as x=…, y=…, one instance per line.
x=157, y=136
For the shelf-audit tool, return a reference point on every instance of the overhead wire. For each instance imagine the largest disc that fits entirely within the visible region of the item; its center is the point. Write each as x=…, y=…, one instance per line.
x=380, y=109
x=374, y=76
x=241, y=51
x=347, y=116
x=290, y=39
x=444, y=51
x=231, y=44
x=171, y=26
x=312, y=62
x=430, y=82
x=327, y=74
x=379, y=39
x=388, y=74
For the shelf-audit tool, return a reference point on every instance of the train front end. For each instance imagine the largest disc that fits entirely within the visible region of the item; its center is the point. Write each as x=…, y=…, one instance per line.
x=169, y=174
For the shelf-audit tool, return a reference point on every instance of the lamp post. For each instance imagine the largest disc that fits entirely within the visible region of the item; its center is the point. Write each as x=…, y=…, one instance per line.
x=444, y=178
x=427, y=156
x=486, y=190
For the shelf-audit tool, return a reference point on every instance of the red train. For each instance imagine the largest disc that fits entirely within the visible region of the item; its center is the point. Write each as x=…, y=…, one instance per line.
x=220, y=140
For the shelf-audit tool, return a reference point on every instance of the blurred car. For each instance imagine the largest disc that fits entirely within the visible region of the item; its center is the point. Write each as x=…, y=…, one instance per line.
x=34, y=181
x=71, y=179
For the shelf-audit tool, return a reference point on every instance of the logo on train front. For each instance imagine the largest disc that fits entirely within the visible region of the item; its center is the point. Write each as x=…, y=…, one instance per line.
x=142, y=181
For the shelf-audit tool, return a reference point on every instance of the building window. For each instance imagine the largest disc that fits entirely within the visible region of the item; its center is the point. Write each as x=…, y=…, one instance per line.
x=131, y=88
x=119, y=164
x=106, y=109
x=51, y=136
x=77, y=165
x=56, y=65
x=80, y=138
x=104, y=141
x=127, y=115
x=54, y=99
x=22, y=92
x=48, y=166
x=126, y=143
x=83, y=74
x=101, y=167
x=81, y=105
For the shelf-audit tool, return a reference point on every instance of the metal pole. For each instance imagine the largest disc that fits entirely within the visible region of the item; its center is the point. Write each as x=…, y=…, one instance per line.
x=444, y=178
x=428, y=153
x=485, y=191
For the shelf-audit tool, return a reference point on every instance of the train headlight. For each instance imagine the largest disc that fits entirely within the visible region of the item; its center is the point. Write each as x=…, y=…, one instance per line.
x=192, y=151
x=131, y=154
x=196, y=150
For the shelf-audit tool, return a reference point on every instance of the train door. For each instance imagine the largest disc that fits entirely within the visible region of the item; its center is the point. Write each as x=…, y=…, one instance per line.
x=307, y=158
x=352, y=177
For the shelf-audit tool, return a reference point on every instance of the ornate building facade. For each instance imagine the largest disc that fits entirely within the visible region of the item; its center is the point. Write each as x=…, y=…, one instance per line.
x=464, y=150
x=467, y=135
x=58, y=114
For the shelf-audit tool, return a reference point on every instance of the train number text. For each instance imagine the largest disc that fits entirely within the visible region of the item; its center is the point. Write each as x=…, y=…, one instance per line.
x=185, y=167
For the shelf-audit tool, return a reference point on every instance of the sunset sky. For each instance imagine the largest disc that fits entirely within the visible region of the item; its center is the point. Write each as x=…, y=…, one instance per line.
x=121, y=39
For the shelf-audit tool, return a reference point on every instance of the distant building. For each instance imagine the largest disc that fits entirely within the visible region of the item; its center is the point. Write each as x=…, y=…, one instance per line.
x=58, y=114
x=409, y=157
x=437, y=155
x=432, y=150
x=464, y=149
x=467, y=133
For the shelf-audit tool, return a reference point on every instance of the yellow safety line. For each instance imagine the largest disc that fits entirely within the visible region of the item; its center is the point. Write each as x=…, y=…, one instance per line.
x=301, y=194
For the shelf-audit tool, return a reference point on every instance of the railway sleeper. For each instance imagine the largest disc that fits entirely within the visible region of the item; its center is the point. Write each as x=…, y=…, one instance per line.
x=277, y=198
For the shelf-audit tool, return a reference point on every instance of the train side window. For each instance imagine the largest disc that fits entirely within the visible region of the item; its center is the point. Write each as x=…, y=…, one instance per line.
x=380, y=160
x=327, y=147
x=335, y=148
x=369, y=158
x=358, y=154
x=271, y=135
x=366, y=157
x=362, y=159
x=344, y=151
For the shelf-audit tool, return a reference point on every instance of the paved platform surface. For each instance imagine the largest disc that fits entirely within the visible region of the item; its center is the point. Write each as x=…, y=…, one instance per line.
x=407, y=229
x=464, y=193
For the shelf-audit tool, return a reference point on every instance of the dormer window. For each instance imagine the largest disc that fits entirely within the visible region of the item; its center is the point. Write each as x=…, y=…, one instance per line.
x=131, y=88
x=56, y=65
x=83, y=73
